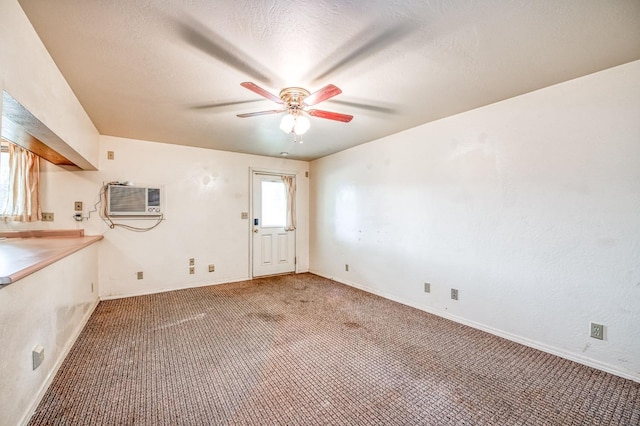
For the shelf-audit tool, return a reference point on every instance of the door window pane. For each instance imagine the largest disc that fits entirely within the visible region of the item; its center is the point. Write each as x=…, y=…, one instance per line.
x=274, y=204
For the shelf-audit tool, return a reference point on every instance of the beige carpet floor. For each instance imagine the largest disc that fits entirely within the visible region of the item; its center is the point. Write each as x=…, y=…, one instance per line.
x=304, y=350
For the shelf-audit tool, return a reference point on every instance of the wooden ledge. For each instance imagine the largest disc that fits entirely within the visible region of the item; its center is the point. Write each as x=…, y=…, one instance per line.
x=24, y=252
x=42, y=233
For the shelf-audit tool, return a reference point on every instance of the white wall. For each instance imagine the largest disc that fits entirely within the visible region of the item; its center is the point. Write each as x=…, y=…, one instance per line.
x=206, y=191
x=47, y=308
x=529, y=207
x=28, y=73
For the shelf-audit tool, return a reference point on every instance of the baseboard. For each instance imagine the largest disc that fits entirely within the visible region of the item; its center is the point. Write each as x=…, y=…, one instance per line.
x=497, y=332
x=65, y=351
x=164, y=290
x=196, y=285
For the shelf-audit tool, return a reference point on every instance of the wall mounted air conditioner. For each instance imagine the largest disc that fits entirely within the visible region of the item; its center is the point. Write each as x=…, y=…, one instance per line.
x=125, y=200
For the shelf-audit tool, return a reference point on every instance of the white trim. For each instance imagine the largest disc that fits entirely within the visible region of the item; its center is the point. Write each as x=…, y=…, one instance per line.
x=625, y=374
x=261, y=171
x=164, y=290
x=182, y=287
x=63, y=355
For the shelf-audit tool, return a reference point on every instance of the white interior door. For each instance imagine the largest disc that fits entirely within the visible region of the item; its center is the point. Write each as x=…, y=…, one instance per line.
x=274, y=248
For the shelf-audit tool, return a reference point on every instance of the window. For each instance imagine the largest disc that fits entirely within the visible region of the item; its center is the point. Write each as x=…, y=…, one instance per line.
x=274, y=204
x=20, y=182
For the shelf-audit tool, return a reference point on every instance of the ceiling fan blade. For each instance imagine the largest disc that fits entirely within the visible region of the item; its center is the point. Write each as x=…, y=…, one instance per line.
x=328, y=91
x=223, y=104
x=345, y=118
x=255, y=114
x=365, y=44
x=260, y=91
x=366, y=106
x=205, y=39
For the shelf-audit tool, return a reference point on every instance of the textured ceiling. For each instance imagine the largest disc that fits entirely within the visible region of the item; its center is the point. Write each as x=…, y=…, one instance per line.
x=170, y=71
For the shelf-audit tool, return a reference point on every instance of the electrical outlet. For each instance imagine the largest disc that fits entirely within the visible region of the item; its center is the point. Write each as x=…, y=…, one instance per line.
x=346, y=267
x=427, y=287
x=192, y=270
x=47, y=217
x=91, y=287
x=244, y=215
x=192, y=261
x=140, y=275
x=77, y=206
x=37, y=354
x=110, y=155
x=597, y=331
x=454, y=294
x=212, y=268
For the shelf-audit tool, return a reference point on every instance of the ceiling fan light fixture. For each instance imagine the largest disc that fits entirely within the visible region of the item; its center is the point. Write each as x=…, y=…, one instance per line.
x=287, y=124
x=302, y=125
x=297, y=124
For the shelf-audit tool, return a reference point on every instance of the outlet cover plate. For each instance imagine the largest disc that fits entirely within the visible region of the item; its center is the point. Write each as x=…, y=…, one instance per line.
x=47, y=217
x=77, y=206
x=597, y=331
x=427, y=287
x=454, y=293
x=38, y=356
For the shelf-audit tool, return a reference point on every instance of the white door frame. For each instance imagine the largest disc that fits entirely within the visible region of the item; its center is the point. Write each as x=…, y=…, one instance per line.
x=252, y=171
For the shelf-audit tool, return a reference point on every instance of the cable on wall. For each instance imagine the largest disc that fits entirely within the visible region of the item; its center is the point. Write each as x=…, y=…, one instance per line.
x=102, y=199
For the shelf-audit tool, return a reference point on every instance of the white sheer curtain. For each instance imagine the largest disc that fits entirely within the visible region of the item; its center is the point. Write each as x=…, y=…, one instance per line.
x=290, y=187
x=23, y=198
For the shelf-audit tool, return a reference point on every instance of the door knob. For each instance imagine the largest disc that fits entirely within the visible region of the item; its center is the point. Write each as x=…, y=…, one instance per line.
x=255, y=230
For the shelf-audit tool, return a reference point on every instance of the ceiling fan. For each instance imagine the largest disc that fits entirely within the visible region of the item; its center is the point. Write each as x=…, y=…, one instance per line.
x=294, y=101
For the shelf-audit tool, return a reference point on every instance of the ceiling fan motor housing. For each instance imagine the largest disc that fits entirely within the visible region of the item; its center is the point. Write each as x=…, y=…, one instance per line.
x=293, y=98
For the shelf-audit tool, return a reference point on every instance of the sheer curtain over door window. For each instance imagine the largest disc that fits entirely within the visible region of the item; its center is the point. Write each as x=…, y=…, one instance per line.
x=290, y=189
